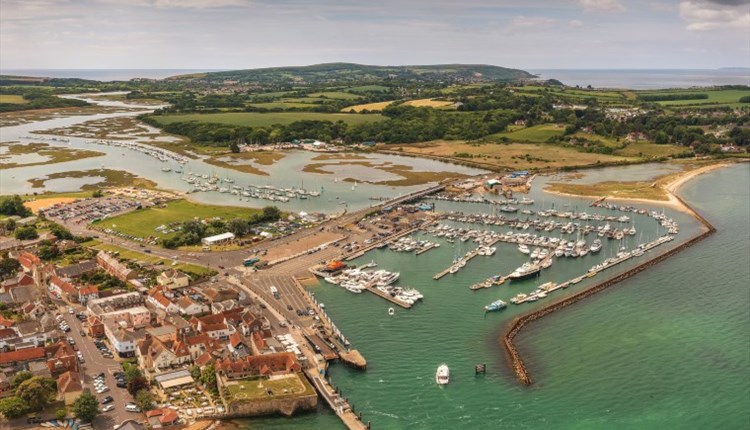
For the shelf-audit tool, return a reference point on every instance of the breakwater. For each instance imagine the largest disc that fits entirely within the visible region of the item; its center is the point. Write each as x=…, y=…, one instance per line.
x=514, y=358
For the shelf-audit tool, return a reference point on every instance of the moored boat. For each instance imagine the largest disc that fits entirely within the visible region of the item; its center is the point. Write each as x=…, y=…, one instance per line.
x=442, y=376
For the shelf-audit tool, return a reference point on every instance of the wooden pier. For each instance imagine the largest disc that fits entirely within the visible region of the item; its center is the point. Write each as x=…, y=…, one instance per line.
x=388, y=297
x=425, y=249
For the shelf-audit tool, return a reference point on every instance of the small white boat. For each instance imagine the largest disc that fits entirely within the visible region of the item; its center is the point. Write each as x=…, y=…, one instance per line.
x=442, y=376
x=391, y=311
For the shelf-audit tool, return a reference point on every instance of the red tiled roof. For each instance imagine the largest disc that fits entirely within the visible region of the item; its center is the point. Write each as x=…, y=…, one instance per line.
x=65, y=286
x=69, y=382
x=204, y=359
x=27, y=354
x=260, y=364
x=6, y=322
x=168, y=417
x=91, y=289
x=161, y=299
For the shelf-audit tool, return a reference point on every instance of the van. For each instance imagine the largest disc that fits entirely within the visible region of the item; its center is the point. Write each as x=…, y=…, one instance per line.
x=132, y=408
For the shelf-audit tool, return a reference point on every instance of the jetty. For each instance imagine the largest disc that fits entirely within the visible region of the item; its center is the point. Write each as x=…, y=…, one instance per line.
x=388, y=297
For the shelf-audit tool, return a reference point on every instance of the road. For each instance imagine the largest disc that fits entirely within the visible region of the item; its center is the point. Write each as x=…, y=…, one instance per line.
x=94, y=364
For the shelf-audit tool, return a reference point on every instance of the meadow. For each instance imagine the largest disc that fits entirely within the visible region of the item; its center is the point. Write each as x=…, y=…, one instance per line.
x=256, y=119
x=534, y=134
x=12, y=99
x=716, y=97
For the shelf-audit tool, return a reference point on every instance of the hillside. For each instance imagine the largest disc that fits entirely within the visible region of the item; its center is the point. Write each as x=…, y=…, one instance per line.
x=335, y=73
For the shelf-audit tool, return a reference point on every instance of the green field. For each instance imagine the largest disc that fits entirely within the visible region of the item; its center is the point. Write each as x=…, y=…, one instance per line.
x=12, y=99
x=650, y=150
x=574, y=93
x=256, y=119
x=280, y=105
x=191, y=269
x=368, y=88
x=715, y=97
x=534, y=134
x=335, y=95
x=142, y=223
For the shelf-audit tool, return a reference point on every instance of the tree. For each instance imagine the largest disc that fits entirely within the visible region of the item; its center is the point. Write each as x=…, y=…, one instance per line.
x=137, y=384
x=61, y=232
x=36, y=392
x=86, y=407
x=237, y=226
x=48, y=252
x=10, y=225
x=13, y=206
x=8, y=267
x=195, y=372
x=20, y=377
x=208, y=378
x=131, y=371
x=97, y=193
x=26, y=233
x=144, y=400
x=60, y=414
x=13, y=407
x=234, y=147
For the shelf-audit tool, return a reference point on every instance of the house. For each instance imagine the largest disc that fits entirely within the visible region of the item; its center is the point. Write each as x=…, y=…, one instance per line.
x=131, y=425
x=154, y=354
x=239, y=346
x=62, y=289
x=21, y=280
x=110, y=264
x=96, y=328
x=22, y=356
x=87, y=293
x=34, y=309
x=121, y=339
x=173, y=279
x=75, y=271
x=220, y=294
x=215, y=326
x=189, y=306
x=5, y=322
x=61, y=358
x=29, y=261
x=164, y=417
x=198, y=344
x=250, y=366
x=160, y=301
x=69, y=387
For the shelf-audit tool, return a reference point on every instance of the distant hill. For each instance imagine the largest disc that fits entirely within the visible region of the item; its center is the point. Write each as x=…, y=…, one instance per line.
x=334, y=73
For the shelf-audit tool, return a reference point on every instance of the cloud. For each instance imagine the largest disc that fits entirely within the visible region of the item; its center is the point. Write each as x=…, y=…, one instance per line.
x=602, y=6
x=576, y=23
x=730, y=2
x=711, y=15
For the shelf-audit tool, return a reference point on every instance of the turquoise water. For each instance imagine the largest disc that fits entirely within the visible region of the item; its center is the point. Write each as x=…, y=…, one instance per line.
x=668, y=348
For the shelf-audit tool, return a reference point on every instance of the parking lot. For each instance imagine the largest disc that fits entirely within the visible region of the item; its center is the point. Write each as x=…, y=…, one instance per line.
x=91, y=209
x=96, y=363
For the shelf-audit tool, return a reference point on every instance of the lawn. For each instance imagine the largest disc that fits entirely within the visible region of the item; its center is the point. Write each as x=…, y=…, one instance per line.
x=191, y=269
x=254, y=390
x=368, y=88
x=256, y=119
x=534, y=134
x=142, y=223
x=12, y=99
x=507, y=155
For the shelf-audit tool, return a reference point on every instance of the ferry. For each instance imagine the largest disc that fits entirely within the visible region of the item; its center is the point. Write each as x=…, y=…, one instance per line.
x=442, y=376
x=495, y=306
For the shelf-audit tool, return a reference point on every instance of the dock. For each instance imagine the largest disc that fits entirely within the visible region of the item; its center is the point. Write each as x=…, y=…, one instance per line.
x=388, y=297
x=425, y=249
x=469, y=255
x=377, y=244
x=354, y=358
x=335, y=401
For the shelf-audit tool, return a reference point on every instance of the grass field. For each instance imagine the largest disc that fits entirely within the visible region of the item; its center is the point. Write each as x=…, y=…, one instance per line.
x=254, y=390
x=12, y=99
x=280, y=105
x=715, y=97
x=428, y=103
x=368, y=88
x=142, y=223
x=191, y=269
x=574, y=93
x=372, y=107
x=255, y=119
x=534, y=134
x=112, y=178
x=507, y=156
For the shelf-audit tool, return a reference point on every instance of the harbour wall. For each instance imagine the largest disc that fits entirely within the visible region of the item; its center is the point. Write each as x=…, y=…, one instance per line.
x=515, y=361
x=286, y=407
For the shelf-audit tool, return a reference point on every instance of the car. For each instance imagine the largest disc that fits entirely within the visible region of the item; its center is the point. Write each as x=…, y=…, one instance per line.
x=108, y=408
x=100, y=375
x=102, y=390
x=107, y=399
x=66, y=329
x=34, y=420
x=221, y=267
x=108, y=355
x=82, y=333
x=289, y=307
x=71, y=311
x=147, y=251
x=132, y=407
x=119, y=374
x=121, y=384
x=71, y=341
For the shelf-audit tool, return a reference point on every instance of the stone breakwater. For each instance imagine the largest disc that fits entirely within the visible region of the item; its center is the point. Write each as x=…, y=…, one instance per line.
x=514, y=358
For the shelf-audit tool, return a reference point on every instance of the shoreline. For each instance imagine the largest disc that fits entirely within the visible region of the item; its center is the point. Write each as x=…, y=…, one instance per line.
x=670, y=188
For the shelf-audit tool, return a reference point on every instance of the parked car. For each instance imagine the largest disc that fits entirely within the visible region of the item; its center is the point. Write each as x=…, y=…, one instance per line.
x=107, y=399
x=71, y=341
x=34, y=420
x=108, y=408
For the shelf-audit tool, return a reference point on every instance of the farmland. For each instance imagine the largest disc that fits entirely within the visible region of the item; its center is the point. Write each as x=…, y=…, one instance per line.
x=429, y=103
x=255, y=119
x=372, y=107
x=535, y=134
x=142, y=223
x=12, y=99
x=722, y=97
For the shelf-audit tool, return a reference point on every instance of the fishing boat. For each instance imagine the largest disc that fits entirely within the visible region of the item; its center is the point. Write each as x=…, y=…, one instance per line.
x=495, y=306
x=442, y=376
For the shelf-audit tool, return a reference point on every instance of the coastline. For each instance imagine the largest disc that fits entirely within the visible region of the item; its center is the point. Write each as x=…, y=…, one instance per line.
x=670, y=188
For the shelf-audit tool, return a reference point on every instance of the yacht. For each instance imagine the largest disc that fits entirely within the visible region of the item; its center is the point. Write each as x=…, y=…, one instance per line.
x=442, y=376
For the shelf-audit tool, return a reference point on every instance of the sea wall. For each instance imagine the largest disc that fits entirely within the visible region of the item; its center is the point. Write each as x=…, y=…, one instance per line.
x=286, y=407
x=506, y=340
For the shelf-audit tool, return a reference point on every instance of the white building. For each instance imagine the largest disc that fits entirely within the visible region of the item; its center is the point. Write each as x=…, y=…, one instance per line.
x=218, y=239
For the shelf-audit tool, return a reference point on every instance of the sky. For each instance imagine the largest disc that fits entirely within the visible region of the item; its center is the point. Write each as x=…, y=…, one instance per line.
x=241, y=34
